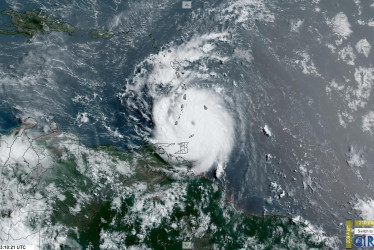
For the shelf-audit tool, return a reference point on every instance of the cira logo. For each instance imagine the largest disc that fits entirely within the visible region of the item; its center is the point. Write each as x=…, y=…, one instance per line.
x=363, y=241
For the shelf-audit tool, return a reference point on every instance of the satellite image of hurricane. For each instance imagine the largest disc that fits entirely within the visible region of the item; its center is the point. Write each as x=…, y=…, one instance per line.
x=166, y=124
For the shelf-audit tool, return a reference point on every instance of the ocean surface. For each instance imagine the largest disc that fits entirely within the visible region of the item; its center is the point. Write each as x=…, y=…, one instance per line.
x=300, y=67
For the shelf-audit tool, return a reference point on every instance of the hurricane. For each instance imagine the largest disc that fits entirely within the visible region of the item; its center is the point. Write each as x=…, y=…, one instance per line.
x=196, y=125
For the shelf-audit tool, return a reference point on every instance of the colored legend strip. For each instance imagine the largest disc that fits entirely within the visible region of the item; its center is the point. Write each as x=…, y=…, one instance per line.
x=348, y=233
x=360, y=223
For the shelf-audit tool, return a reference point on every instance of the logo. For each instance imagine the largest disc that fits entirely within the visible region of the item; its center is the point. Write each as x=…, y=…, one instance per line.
x=186, y=4
x=363, y=241
x=363, y=234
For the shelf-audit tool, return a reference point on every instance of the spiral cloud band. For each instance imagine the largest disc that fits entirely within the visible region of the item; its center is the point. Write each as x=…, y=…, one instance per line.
x=195, y=125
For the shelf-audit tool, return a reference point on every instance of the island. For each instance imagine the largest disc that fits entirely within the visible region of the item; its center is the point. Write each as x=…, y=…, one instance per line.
x=59, y=193
x=32, y=22
x=106, y=34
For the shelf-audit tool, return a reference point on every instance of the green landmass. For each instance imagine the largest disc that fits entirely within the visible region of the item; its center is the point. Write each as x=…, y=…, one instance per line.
x=32, y=22
x=79, y=197
x=198, y=212
x=102, y=34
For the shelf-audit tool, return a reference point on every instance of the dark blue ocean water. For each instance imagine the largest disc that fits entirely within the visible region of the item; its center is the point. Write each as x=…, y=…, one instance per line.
x=105, y=67
x=57, y=77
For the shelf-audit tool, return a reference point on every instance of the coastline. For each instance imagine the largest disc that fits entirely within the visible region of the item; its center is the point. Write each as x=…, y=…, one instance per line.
x=31, y=123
